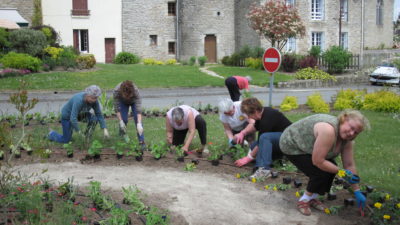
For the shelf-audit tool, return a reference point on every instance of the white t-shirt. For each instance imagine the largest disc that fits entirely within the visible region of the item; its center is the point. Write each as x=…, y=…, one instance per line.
x=237, y=121
x=185, y=122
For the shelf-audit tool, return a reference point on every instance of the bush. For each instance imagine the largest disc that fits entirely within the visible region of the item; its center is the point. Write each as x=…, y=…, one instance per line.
x=226, y=60
x=86, y=61
x=184, y=62
x=257, y=52
x=157, y=62
x=289, y=63
x=289, y=103
x=4, y=43
x=53, y=52
x=202, y=60
x=349, y=99
x=313, y=74
x=254, y=63
x=192, y=60
x=337, y=59
x=317, y=103
x=149, y=61
x=382, y=101
x=315, y=51
x=396, y=62
x=21, y=61
x=28, y=41
x=245, y=52
x=52, y=36
x=170, y=62
x=235, y=59
x=49, y=63
x=126, y=58
x=67, y=57
x=307, y=61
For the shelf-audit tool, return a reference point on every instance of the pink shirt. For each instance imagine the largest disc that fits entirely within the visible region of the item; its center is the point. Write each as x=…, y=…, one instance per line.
x=185, y=123
x=242, y=82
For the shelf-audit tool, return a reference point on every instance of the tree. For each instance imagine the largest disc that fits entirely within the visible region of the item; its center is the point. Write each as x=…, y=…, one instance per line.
x=276, y=21
x=396, y=32
x=37, y=18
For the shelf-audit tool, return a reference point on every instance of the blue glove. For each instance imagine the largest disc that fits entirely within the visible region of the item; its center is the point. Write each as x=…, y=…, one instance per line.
x=360, y=198
x=351, y=178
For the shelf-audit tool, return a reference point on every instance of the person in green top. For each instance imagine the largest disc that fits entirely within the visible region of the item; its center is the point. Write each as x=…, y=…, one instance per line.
x=312, y=143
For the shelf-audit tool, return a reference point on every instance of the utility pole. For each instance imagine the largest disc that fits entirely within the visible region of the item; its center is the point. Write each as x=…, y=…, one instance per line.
x=340, y=22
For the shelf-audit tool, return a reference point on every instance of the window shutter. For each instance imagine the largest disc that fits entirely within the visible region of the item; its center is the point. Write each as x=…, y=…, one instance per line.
x=76, y=39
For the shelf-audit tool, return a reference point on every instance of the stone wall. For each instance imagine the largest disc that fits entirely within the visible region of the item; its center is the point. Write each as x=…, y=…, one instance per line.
x=24, y=7
x=244, y=34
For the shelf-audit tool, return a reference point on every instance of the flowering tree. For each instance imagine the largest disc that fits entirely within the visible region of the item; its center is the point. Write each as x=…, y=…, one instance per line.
x=277, y=21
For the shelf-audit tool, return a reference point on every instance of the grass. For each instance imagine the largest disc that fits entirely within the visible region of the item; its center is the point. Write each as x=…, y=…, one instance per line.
x=107, y=76
x=260, y=77
x=376, y=151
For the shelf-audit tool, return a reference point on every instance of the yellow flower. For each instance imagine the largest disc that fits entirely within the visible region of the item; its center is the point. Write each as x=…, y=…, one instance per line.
x=266, y=187
x=297, y=194
x=341, y=173
x=275, y=188
x=387, y=197
x=378, y=205
x=386, y=217
x=253, y=180
x=398, y=205
x=238, y=175
x=327, y=211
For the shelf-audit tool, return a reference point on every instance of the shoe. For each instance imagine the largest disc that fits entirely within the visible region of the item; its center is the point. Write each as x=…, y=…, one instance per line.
x=304, y=208
x=316, y=204
x=261, y=173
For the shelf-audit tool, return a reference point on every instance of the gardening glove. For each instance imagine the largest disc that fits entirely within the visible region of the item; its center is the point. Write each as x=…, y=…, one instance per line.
x=122, y=126
x=349, y=176
x=139, y=128
x=243, y=161
x=360, y=199
x=246, y=143
x=239, y=138
x=106, y=134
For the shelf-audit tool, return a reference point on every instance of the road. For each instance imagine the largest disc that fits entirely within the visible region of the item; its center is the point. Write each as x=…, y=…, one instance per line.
x=161, y=98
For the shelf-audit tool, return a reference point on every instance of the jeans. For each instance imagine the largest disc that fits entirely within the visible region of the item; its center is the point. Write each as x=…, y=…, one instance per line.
x=268, y=149
x=89, y=118
x=124, y=109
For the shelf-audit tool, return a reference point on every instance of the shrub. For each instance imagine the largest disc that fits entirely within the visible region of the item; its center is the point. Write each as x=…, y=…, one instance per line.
x=235, y=59
x=28, y=41
x=67, y=57
x=307, y=61
x=226, y=60
x=184, y=62
x=289, y=103
x=4, y=43
x=202, y=60
x=21, y=61
x=382, y=101
x=315, y=51
x=313, y=74
x=317, y=103
x=257, y=52
x=337, y=59
x=126, y=58
x=157, y=62
x=192, y=60
x=244, y=52
x=396, y=62
x=255, y=63
x=170, y=62
x=53, y=52
x=49, y=63
x=289, y=63
x=149, y=61
x=349, y=99
x=86, y=61
x=52, y=36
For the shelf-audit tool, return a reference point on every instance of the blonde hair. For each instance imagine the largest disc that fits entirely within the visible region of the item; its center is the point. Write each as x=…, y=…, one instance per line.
x=354, y=115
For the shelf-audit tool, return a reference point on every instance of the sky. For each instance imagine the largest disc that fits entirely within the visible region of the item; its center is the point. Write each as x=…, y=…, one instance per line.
x=396, y=9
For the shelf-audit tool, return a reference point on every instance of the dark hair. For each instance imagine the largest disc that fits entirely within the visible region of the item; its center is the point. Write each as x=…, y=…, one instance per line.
x=251, y=106
x=127, y=90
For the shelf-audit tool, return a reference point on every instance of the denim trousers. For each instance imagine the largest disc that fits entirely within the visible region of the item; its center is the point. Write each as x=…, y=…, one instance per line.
x=124, y=110
x=268, y=149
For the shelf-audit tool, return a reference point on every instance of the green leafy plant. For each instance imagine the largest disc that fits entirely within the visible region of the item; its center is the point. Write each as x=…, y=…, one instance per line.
x=215, y=151
x=46, y=153
x=86, y=61
x=179, y=152
x=131, y=197
x=317, y=103
x=202, y=60
x=120, y=147
x=159, y=150
x=337, y=59
x=155, y=218
x=382, y=101
x=192, y=60
x=189, y=167
x=126, y=58
x=118, y=216
x=349, y=99
x=313, y=74
x=107, y=104
x=94, y=193
x=28, y=41
x=95, y=148
x=68, y=146
x=289, y=103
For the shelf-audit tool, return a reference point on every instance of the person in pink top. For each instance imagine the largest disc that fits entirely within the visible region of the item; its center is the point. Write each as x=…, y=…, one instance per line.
x=179, y=121
x=235, y=84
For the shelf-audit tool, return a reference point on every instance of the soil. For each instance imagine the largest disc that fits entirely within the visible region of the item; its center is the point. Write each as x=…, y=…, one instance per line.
x=208, y=195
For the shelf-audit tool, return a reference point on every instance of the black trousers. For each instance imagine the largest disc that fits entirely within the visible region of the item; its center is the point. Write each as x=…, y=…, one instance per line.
x=233, y=88
x=201, y=127
x=320, y=181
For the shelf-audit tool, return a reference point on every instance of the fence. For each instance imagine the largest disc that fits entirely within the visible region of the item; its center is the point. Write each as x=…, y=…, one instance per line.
x=352, y=64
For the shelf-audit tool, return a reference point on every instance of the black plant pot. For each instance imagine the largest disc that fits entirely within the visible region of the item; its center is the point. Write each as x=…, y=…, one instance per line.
x=297, y=183
x=287, y=180
x=29, y=152
x=139, y=158
x=332, y=196
x=370, y=189
x=119, y=156
x=180, y=159
x=221, y=157
x=195, y=161
x=1, y=157
x=43, y=122
x=96, y=157
x=274, y=174
x=49, y=207
x=215, y=162
x=17, y=156
x=157, y=158
x=71, y=155
x=339, y=181
x=349, y=201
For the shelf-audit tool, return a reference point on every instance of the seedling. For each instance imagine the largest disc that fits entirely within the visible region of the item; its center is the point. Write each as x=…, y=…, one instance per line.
x=131, y=197
x=215, y=153
x=46, y=153
x=118, y=216
x=119, y=149
x=179, y=152
x=159, y=150
x=334, y=210
x=95, y=194
x=95, y=149
x=190, y=167
x=154, y=217
x=70, y=149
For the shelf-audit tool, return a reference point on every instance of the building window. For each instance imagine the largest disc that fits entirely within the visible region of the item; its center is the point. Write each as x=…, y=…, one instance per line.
x=291, y=45
x=171, y=9
x=344, y=40
x=345, y=10
x=379, y=12
x=80, y=8
x=153, y=40
x=81, y=40
x=317, y=39
x=171, y=47
x=317, y=9
x=290, y=3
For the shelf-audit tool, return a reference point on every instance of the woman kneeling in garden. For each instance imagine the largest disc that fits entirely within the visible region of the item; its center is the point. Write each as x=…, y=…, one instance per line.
x=126, y=95
x=179, y=121
x=312, y=143
x=78, y=109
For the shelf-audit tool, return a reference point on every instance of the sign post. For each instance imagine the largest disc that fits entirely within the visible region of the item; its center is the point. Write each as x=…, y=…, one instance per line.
x=271, y=63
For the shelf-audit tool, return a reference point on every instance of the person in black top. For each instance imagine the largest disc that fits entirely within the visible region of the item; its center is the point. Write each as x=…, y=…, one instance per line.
x=270, y=123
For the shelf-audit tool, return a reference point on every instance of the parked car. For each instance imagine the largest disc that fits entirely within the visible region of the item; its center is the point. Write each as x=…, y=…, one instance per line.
x=387, y=74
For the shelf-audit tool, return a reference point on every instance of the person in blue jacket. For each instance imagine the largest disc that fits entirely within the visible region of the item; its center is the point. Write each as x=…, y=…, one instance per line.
x=78, y=109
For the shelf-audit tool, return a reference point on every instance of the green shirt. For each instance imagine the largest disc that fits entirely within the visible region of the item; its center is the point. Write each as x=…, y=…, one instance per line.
x=299, y=139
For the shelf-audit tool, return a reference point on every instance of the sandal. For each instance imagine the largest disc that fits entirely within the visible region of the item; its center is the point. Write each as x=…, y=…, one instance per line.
x=317, y=205
x=304, y=208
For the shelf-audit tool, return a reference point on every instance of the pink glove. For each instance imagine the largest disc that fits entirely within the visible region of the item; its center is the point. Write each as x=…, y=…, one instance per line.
x=243, y=161
x=239, y=138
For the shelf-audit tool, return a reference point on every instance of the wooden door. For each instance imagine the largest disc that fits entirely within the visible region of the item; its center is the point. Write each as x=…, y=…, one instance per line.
x=110, y=49
x=210, y=48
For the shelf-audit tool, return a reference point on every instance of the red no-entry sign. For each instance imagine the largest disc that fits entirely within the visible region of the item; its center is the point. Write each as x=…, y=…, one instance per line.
x=271, y=60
